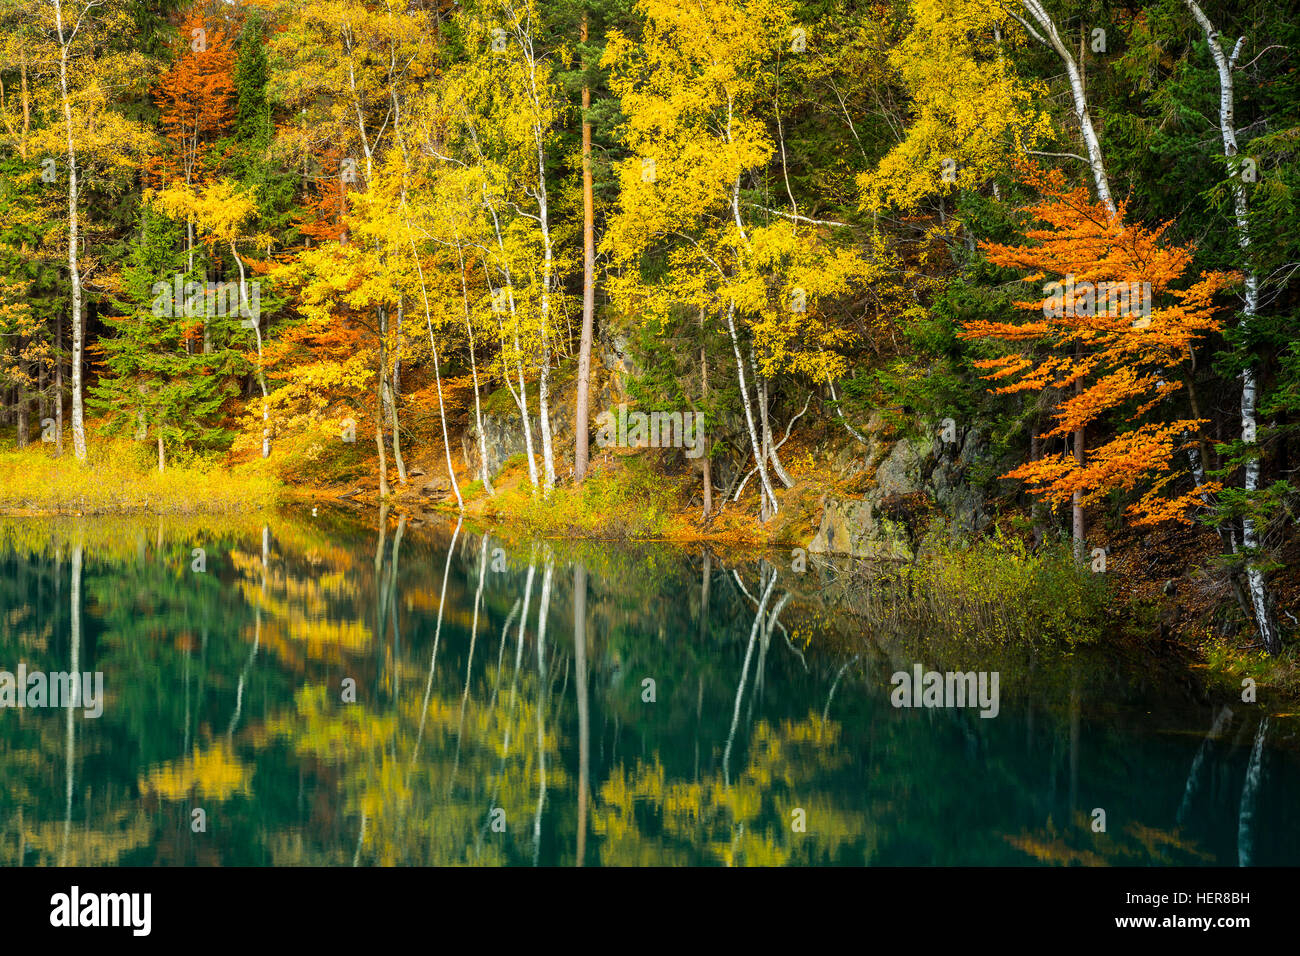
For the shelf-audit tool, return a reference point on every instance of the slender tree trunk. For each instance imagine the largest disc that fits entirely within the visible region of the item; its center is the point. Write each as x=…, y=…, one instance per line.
x=1080, y=531
x=393, y=394
x=23, y=401
x=706, y=463
x=522, y=401
x=1035, y=508
x=42, y=395
x=256, y=322
x=582, y=412
x=58, y=386
x=769, y=446
x=74, y=268
x=544, y=417
x=520, y=397
x=473, y=367
x=379, y=416
x=437, y=376
x=769, y=506
x=1053, y=39
x=1260, y=599
x=544, y=366
x=162, y=461
x=544, y=221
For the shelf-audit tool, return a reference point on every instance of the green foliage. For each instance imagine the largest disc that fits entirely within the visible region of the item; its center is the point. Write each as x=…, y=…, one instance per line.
x=158, y=379
x=1000, y=590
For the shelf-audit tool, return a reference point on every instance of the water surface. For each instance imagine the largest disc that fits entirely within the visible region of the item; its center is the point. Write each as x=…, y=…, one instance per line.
x=334, y=689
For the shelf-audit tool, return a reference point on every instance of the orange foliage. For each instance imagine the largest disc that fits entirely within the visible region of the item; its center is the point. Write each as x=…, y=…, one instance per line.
x=1114, y=330
x=196, y=97
x=326, y=206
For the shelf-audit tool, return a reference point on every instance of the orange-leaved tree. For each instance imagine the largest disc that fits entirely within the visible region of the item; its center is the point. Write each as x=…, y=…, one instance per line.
x=1111, y=333
x=196, y=100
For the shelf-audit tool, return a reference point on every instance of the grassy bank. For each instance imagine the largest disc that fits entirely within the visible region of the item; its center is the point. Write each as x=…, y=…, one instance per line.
x=116, y=481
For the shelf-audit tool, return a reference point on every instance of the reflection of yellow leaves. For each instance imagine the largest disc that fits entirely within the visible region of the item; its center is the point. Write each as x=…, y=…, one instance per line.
x=334, y=734
x=295, y=613
x=1055, y=851
x=91, y=847
x=744, y=822
x=216, y=774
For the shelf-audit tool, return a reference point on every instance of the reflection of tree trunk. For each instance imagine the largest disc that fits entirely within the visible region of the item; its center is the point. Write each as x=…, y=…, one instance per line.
x=1074, y=741
x=1194, y=776
x=826, y=711
x=1249, y=793
x=392, y=603
x=256, y=632
x=469, y=667
x=764, y=641
x=519, y=653
x=543, y=613
x=744, y=674
x=437, y=635
x=361, y=839
x=706, y=581
x=257, y=637
x=70, y=737
x=381, y=593
x=514, y=685
x=501, y=653
x=584, y=717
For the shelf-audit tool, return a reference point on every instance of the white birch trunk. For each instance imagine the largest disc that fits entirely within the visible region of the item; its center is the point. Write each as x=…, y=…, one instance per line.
x=437, y=377
x=1081, y=113
x=759, y=457
x=74, y=268
x=256, y=322
x=1259, y=597
x=473, y=367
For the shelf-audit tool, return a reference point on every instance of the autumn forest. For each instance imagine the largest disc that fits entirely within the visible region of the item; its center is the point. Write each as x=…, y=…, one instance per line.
x=920, y=273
